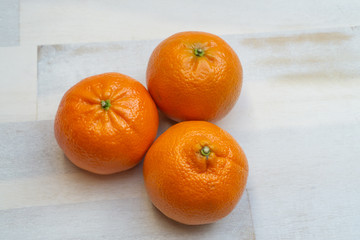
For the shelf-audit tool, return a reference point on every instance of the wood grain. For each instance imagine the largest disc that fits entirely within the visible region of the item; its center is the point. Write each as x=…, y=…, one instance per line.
x=44, y=196
x=18, y=91
x=297, y=119
x=72, y=21
x=300, y=88
x=9, y=23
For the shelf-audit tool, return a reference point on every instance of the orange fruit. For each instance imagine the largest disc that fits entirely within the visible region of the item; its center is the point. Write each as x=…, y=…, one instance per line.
x=195, y=172
x=194, y=76
x=106, y=123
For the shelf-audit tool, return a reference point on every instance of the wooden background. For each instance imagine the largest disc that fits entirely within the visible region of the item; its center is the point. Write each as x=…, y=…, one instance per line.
x=298, y=118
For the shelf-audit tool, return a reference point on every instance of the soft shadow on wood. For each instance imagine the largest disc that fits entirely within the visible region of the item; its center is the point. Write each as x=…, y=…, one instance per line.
x=164, y=123
x=176, y=227
x=116, y=176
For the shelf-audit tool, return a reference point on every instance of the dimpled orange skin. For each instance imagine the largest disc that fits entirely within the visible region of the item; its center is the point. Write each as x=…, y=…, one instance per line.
x=187, y=187
x=190, y=87
x=106, y=141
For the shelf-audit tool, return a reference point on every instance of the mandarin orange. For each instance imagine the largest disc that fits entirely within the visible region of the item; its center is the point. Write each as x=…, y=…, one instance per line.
x=194, y=76
x=106, y=123
x=195, y=172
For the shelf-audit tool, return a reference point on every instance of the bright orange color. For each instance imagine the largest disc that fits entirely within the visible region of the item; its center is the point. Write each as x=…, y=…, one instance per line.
x=194, y=76
x=189, y=186
x=103, y=138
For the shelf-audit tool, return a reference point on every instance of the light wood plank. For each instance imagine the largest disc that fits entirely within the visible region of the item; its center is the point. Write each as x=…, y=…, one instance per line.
x=18, y=92
x=69, y=21
x=44, y=196
x=297, y=119
x=9, y=23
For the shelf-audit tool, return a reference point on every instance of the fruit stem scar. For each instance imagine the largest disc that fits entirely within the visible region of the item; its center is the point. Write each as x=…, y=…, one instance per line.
x=205, y=151
x=199, y=52
x=105, y=104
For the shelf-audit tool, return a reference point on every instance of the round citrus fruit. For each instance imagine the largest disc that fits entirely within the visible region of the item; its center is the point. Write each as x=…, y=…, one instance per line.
x=195, y=172
x=106, y=123
x=194, y=76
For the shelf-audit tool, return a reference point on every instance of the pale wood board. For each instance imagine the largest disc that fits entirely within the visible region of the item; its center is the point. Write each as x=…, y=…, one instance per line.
x=44, y=196
x=327, y=102
x=306, y=65
x=9, y=23
x=73, y=21
x=298, y=120
x=18, y=91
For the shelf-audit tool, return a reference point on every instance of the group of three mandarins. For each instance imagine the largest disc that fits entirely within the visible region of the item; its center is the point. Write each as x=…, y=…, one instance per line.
x=195, y=172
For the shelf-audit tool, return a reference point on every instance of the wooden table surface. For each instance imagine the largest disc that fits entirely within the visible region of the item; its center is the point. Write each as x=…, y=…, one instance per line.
x=298, y=118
